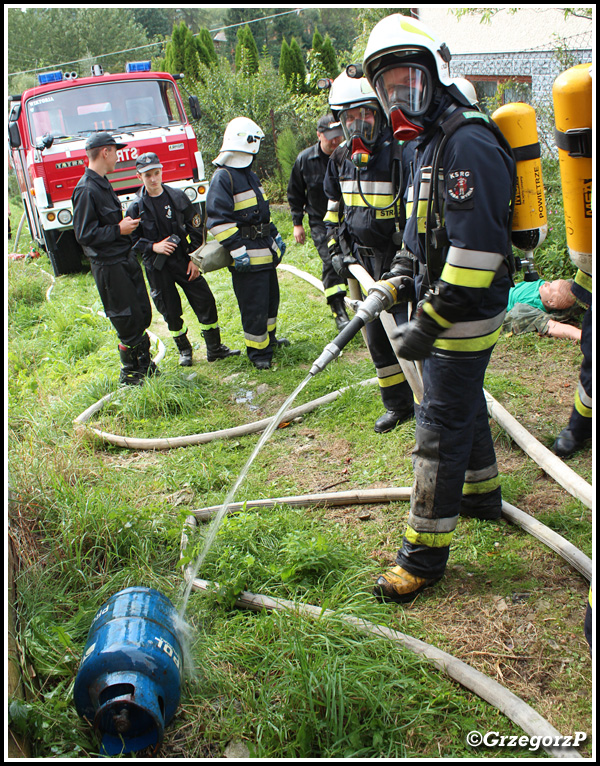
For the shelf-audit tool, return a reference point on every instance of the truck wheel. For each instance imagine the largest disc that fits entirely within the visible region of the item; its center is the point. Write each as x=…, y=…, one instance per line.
x=64, y=252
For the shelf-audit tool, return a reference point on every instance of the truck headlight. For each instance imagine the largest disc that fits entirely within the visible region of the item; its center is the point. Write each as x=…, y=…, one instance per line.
x=65, y=216
x=191, y=193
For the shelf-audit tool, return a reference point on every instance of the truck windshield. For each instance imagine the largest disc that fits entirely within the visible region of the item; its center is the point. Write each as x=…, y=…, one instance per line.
x=128, y=104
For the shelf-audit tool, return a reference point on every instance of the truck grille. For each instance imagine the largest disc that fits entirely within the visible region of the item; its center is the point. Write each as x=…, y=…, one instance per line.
x=124, y=176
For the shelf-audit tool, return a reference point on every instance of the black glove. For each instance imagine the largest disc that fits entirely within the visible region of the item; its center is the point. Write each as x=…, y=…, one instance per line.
x=340, y=265
x=403, y=265
x=416, y=338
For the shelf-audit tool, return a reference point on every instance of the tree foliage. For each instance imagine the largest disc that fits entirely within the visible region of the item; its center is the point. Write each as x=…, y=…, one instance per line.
x=246, y=52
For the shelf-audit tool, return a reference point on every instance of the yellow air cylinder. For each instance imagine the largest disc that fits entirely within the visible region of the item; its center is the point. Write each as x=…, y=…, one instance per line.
x=530, y=223
x=572, y=95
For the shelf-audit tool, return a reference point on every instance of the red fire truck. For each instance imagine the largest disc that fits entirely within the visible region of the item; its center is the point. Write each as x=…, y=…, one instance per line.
x=48, y=127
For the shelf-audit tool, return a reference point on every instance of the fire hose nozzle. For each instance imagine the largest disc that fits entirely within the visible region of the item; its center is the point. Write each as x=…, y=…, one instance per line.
x=383, y=295
x=329, y=353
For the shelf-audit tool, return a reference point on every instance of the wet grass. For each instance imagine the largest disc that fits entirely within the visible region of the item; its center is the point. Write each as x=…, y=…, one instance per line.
x=89, y=519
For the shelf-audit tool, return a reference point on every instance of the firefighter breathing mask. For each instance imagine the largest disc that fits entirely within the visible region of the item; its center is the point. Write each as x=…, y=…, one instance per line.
x=406, y=94
x=361, y=126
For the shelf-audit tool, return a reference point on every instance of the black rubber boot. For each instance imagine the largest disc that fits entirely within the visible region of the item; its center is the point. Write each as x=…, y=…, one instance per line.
x=130, y=374
x=185, y=350
x=214, y=348
x=566, y=444
x=144, y=360
x=338, y=309
x=391, y=418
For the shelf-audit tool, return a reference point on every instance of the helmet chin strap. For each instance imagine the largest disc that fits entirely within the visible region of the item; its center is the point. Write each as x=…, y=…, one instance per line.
x=404, y=130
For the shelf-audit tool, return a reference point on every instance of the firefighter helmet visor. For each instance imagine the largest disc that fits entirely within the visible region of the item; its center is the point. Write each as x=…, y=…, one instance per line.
x=407, y=87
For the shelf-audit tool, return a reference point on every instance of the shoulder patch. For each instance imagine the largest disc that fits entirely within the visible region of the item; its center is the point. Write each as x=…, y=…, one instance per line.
x=197, y=221
x=460, y=185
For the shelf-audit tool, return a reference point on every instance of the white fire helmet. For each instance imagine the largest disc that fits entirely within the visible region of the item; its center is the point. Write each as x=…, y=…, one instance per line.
x=466, y=88
x=348, y=94
x=404, y=61
x=241, y=141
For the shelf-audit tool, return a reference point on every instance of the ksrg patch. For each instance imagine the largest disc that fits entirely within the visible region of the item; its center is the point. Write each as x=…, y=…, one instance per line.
x=460, y=189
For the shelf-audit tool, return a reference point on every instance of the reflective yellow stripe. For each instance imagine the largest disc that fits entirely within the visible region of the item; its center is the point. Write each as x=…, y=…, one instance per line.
x=585, y=412
x=584, y=280
x=481, y=487
x=335, y=290
x=460, y=277
x=252, y=202
x=332, y=216
x=430, y=539
x=430, y=311
x=392, y=380
x=377, y=200
x=253, y=341
x=224, y=231
x=480, y=343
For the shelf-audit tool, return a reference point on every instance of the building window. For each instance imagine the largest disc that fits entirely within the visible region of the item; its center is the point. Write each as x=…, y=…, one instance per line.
x=493, y=92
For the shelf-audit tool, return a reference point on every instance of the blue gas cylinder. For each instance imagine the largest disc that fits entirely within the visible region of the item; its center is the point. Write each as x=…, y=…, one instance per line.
x=129, y=680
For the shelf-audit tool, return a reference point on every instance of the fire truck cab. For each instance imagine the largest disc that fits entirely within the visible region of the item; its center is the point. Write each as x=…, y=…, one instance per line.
x=48, y=128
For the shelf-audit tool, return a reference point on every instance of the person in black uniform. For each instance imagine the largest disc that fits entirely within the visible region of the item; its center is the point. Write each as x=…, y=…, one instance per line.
x=365, y=217
x=305, y=195
x=171, y=228
x=239, y=218
x=105, y=236
x=461, y=290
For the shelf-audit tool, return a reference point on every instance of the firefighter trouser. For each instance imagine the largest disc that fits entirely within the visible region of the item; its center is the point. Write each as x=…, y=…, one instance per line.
x=395, y=392
x=166, y=297
x=454, y=462
x=333, y=284
x=580, y=423
x=257, y=294
x=124, y=296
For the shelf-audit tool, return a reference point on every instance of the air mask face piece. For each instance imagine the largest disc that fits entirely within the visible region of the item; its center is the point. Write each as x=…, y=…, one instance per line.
x=406, y=93
x=361, y=126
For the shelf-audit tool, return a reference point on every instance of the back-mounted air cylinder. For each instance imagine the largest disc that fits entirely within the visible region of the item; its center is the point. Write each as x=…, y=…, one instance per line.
x=128, y=684
x=530, y=223
x=572, y=95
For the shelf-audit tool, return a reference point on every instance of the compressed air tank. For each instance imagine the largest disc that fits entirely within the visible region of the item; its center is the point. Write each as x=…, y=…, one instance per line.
x=129, y=680
x=572, y=95
x=530, y=223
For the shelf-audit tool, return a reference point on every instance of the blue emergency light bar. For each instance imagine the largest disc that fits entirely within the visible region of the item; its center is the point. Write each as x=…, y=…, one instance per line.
x=138, y=66
x=47, y=77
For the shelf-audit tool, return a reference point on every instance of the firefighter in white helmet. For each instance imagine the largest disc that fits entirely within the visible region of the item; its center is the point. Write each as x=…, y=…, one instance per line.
x=458, y=227
x=365, y=220
x=238, y=216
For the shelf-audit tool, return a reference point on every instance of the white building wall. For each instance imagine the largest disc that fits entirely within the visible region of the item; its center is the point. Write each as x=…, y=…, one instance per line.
x=530, y=27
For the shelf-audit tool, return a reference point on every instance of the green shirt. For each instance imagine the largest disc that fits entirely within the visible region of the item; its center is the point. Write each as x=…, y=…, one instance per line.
x=526, y=292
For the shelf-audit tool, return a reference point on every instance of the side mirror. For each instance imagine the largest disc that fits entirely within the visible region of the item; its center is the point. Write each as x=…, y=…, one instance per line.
x=195, y=107
x=14, y=136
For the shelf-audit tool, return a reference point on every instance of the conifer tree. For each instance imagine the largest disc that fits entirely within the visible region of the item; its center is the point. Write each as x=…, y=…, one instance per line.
x=285, y=65
x=246, y=52
x=329, y=59
x=208, y=45
x=175, y=50
x=297, y=67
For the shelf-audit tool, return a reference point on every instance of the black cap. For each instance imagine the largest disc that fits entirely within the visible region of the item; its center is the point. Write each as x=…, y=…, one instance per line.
x=148, y=161
x=103, y=138
x=330, y=126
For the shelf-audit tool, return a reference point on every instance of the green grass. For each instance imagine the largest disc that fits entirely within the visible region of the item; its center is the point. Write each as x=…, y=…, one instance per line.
x=90, y=518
